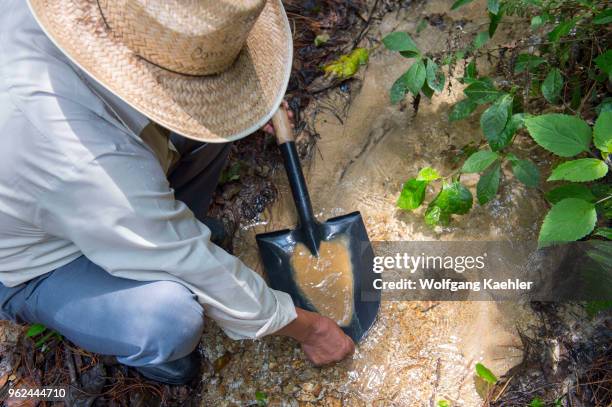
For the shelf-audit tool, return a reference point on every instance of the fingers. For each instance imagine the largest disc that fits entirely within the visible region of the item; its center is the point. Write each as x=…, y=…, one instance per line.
x=269, y=128
x=351, y=346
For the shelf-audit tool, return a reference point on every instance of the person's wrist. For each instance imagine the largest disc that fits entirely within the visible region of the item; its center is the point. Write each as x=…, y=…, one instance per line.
x=301, y=328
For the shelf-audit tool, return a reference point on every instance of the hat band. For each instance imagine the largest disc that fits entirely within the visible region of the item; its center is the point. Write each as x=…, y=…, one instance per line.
x=172, y=51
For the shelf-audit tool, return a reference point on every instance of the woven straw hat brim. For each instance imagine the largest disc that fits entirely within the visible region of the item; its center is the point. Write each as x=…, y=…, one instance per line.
x=216, y=109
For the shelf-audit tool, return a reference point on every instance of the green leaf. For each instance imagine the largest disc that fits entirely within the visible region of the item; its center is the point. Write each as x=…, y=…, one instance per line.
x=604, y=106
x=347, y=65
x=493, y=6
x=399, y=89
x=460, y=3
x=482, y=91
x=494, y=20
x=579, y=191
x=471, y=71
x=536, y=402
x=415, y=77
x=261, y=398
x=562, y=29
x=569, y=220
x=481, y=39
x=602, y=132
x=582, y=170
x=552, y=85
x=536, y=22
x=527, y=62
x=231, y=173
x=593, y=308
x=525, y=171
x=35, y=329
x=576, y=93
x=604, y=62
x=427, y=91
x=400, y=41
x=413, y=194
x=42, y=341
x=321, y=39
x=561, y=134
x=443, y=403
x=485, y=374
x=410, y=54
x=455, y=198
x=479, y=161
x=604, y=232
x=435, y=77
x=421, y=26
x=488, y=185
x=462, y=110
x=605, y=17
x=494, y=119
x=434, y=215
x=505, y=137
x=428, y=174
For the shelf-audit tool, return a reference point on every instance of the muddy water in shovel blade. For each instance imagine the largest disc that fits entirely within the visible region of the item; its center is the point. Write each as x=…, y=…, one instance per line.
x=327, y=280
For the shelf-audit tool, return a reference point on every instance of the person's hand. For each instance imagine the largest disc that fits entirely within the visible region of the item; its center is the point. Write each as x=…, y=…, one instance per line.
x=269, y=128
x=322, y=340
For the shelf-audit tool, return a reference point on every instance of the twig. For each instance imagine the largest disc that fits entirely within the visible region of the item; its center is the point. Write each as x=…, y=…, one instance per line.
x=71, y=368
x=503, y=389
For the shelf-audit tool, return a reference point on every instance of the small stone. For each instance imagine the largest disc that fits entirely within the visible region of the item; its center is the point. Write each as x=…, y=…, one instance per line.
x=308, y=387
x=263, y=171
x=332, y=402
x=290, y=389
x=231, y=190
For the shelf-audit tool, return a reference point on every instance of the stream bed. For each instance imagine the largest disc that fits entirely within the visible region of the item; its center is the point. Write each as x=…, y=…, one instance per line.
x=417, y=353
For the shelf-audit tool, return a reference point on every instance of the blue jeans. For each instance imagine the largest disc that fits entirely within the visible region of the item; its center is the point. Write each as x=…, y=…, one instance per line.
x=141, y=323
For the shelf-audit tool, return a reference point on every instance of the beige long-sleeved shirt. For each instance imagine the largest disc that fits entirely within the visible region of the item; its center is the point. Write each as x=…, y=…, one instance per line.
x=77, y=179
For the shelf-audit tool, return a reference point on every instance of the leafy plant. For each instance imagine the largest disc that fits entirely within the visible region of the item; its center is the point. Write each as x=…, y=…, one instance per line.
x=485, y=374
x=443, y=403
x=424, y=75
x=43, y=334
x=261, y=398
x=231, y=173
x=347, y=65
x=536, y=402
x=546, y=74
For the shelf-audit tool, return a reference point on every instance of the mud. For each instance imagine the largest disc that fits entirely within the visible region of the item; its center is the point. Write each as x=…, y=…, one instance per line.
x=417, y=353
x=327, y=279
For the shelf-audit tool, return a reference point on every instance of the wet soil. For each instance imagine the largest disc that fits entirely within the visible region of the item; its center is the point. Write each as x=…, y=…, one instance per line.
x=417, y=353
x=358, y=150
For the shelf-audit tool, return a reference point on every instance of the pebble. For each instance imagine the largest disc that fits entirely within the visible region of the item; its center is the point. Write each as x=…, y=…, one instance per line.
x=231, y=190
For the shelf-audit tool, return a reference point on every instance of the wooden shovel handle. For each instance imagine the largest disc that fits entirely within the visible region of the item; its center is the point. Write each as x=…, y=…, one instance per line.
x=282, y=127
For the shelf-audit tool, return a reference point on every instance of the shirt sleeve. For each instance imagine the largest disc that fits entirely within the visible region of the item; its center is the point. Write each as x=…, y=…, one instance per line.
x=119, y=209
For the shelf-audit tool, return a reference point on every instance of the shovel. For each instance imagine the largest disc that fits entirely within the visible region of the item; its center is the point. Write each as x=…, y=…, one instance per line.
x=277, y=248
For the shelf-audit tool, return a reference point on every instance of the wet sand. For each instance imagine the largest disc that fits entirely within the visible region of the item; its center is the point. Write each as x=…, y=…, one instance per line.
x=417, y=352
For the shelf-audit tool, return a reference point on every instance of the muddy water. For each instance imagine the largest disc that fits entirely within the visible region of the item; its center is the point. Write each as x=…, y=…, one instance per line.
x=417, y=353
x=327, y=279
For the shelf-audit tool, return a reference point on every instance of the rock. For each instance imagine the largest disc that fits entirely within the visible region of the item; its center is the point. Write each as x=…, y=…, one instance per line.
x=290, y=389
x=263, y=170
x=332, y=402
x=306, y=375
x=230, y=190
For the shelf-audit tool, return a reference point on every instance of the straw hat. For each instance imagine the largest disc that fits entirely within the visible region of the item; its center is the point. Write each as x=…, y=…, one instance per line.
x=210, y=70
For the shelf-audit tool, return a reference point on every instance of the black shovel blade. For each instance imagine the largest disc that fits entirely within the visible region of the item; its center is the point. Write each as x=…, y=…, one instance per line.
x=276, y=249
